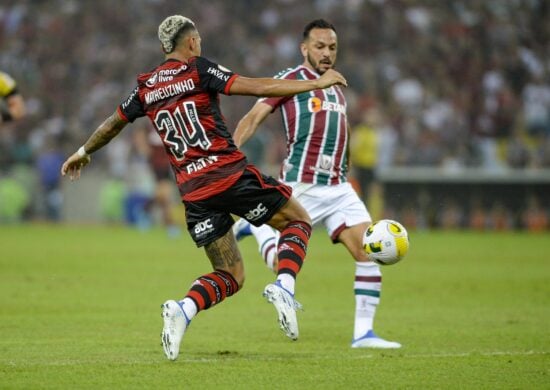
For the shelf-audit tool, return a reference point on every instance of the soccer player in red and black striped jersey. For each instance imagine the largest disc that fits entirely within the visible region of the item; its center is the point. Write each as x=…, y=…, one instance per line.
x=316, y=167
x=181, y=98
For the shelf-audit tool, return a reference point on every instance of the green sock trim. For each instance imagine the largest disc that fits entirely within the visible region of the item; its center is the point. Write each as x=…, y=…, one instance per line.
x=370, y=293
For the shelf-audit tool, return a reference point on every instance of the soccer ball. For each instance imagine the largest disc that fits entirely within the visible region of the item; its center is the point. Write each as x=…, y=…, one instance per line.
x=386, y=242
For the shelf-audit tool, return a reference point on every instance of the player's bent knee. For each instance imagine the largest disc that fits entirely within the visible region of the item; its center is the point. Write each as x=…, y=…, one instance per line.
x=239, y=277
x=295, y=212
x=303, y=218
x=237, y=271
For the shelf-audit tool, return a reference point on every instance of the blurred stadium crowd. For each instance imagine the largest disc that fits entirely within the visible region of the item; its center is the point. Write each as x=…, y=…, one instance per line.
x=450, y=84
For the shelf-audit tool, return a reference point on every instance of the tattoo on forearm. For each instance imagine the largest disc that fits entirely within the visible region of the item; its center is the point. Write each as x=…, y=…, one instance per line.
x=105, y=133
x=223, y=253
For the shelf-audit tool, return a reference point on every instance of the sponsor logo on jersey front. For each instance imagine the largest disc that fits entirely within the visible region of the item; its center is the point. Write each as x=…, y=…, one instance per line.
x=169, y=90
x=315, y=104
x=256, y=213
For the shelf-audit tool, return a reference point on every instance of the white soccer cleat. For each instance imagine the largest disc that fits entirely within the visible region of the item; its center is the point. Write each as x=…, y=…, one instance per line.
x=241, y=229
x=175, y=324
x=286, y=307
x=371, y=340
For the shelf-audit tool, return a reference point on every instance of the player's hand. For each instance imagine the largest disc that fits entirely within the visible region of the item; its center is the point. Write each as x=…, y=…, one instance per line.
x=74, y=165
x=331, y=77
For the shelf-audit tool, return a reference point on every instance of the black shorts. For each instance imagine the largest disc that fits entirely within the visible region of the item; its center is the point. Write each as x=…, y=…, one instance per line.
x=254, y=196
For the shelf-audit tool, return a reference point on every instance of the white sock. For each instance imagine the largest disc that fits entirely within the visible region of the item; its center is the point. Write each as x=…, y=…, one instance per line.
x=267, y=239
x=367, y=287
x=287, y=281
x=189, y=308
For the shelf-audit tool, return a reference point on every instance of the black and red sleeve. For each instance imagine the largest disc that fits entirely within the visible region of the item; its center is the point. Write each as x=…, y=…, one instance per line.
x=131, y=108
x=214, y=77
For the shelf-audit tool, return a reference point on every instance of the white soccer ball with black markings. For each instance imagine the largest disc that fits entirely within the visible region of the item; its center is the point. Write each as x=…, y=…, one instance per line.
x=386, y=242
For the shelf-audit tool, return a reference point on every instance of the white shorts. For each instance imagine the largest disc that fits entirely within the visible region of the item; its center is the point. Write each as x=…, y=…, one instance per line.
x=336, y=207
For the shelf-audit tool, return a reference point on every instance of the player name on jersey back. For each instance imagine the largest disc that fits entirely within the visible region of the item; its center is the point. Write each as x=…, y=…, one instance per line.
x=169, y=90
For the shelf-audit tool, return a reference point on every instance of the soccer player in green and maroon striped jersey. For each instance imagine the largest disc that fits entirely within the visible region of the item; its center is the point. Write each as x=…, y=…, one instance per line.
x=316, y=167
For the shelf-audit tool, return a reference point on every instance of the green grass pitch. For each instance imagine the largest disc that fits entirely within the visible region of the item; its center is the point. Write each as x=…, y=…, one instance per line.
x=80, y=309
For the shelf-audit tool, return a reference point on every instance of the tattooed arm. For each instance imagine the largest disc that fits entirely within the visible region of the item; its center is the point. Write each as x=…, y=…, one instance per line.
x=108, y=130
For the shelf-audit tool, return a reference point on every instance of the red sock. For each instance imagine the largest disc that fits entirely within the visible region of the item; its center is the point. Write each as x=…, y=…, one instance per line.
x=292, y=247
x=212, y=288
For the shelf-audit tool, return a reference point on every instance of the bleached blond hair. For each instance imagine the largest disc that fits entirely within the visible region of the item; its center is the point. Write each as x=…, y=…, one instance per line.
x=169, y=30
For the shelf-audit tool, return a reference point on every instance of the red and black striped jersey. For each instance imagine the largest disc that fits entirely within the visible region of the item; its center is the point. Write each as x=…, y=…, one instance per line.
x=182, y=101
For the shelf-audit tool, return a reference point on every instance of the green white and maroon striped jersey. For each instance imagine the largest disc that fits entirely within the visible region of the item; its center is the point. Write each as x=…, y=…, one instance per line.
x=316, y=132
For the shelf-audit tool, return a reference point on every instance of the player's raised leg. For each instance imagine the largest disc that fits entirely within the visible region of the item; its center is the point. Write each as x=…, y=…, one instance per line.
x=205, y=292
x=294, y=225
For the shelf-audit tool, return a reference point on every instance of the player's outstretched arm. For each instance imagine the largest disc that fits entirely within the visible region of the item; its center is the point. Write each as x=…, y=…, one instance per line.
x=101, y=137
x=280, y=87
x=249, y=123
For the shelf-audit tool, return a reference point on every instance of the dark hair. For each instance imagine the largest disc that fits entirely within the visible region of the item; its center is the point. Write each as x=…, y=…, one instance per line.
x=182, y=32
x=317, y=23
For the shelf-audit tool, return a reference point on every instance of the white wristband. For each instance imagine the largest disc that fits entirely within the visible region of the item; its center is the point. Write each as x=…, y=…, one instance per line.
x=81, y=152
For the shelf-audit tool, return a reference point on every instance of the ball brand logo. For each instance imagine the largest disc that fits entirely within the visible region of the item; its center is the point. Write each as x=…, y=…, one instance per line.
x=256, y=213
x=315, y=104
x=202, y=226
